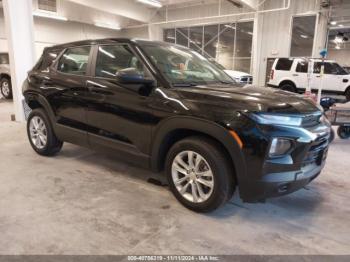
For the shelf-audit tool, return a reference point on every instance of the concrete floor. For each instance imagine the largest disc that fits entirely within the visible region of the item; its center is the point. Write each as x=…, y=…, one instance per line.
x=81, y=202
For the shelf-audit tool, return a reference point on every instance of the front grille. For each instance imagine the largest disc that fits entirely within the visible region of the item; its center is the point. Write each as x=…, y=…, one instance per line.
x=317, y=152
x=311, y=120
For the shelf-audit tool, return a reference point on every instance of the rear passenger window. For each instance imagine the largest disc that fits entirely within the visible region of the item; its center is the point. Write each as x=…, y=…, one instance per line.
x=74, y=60
x=284, y=64
x=302, y=67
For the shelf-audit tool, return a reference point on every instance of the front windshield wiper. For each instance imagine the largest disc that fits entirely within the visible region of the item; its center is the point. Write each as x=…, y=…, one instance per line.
x=184, y=84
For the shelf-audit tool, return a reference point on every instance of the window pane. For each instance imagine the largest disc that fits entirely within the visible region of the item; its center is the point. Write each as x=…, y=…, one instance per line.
x=75, y=60
x=4, y=58
x=242, y=64
x=196, y=38
x=302, y=67
x=182, y=36
x=169, y=35
x=303, y=35
x=244, y=38
x=210, y=40
x=226, y=45
x=114, y=58
x=284, y=64
x=48, y=58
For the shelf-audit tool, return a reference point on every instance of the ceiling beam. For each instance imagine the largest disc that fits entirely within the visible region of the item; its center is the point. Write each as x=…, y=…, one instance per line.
x=126, y=8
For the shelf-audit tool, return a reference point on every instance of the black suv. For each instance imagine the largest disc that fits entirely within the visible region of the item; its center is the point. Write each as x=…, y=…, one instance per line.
x=166, y=107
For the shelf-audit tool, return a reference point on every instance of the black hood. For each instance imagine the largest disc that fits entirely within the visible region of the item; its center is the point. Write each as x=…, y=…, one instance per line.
x=253, y=99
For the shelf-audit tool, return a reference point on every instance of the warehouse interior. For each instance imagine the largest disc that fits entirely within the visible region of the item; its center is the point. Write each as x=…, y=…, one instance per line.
x=83, y=202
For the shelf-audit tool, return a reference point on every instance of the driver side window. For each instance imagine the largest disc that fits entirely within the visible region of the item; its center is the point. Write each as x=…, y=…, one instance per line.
x=114, y=58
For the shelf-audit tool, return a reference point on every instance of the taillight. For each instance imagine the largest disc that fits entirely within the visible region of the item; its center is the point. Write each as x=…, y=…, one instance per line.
x=272, y=74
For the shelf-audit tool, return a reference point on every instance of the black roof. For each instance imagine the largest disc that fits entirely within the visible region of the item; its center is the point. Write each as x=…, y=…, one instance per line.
x=104, y=41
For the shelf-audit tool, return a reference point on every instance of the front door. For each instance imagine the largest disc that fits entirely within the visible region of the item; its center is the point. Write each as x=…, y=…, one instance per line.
x=118, y=115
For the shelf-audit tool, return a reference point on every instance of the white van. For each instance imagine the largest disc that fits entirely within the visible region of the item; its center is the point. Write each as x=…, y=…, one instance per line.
x=291, y=74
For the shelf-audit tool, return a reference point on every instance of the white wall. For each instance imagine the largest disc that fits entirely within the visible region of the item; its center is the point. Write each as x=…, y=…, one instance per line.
x=49, y=32
x=341, y=56
x=272, y=35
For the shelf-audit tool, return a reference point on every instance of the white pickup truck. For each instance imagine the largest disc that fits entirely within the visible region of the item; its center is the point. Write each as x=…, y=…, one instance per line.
x=291, y=74
x=5, y=76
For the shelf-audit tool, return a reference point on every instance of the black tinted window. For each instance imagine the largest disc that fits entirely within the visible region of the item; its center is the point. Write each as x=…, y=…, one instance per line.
x=302, y=67
x=74, y=60
x=4, y=59
x=114, y=58
x=48, y=58
x=284, y=64
x=329, y=68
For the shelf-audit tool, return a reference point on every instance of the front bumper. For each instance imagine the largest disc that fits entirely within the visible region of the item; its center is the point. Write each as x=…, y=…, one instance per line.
x=267, y=177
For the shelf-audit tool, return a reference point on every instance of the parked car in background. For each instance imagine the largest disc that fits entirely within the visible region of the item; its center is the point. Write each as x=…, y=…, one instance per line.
x=238, y=76
x=290, y=74
x=5, y=76
x=167, y=108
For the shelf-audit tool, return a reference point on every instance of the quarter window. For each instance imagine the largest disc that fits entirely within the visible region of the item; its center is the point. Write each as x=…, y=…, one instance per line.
x=284, y=64
x=48, y=58
x=74, y=60
x=114, y=58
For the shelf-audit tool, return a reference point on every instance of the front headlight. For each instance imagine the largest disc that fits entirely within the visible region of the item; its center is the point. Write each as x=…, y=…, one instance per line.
x=272, y=119
x=279, y=147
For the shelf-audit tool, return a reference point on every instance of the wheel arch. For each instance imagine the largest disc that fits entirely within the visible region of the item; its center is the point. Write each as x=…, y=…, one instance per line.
x=35, y=100
x=4, y=75
x=176, y=128
x=287, y=81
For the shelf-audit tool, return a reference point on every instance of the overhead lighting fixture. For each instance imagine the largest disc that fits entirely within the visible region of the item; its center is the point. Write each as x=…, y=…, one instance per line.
x=109, y=26
x=46, y=15
x=341, y=25
x=153, y=3
x=304, y=36
x=333, y=22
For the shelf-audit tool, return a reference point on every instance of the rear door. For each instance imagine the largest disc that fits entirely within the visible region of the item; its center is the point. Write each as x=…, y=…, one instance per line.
x=299, y=74
x=67, y=92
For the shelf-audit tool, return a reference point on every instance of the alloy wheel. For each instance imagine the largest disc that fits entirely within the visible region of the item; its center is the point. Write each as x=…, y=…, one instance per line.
x=38, y=132
x=5, y=87
x=192, y=176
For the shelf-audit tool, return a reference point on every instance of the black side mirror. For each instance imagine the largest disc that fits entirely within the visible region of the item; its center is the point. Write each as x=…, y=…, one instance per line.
x=133, y=77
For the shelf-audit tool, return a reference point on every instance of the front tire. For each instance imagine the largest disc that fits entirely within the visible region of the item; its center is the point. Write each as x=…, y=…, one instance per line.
x=199, y=174
x=6, y=87
x=41, y=135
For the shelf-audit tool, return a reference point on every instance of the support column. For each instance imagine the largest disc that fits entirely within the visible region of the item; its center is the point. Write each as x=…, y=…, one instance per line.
x=257, y=60
x=20, y=38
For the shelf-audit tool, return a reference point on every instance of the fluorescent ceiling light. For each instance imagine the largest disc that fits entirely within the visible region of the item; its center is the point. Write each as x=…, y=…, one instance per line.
x=341, y=25
x=151, y=2
x=304, y=36
x=46, y=15
x=333, y=22
x=109, y=26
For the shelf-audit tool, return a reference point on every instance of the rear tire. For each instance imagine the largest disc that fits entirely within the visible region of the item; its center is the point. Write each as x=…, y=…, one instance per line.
x=347, y=94
x=206, y=182
x=344, y=132
x=290, y=87
x=6, y=87
x=41, y=135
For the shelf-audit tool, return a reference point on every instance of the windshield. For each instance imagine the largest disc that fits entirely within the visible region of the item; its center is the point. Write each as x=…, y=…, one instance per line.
x=184, y=67
x=4, y=59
